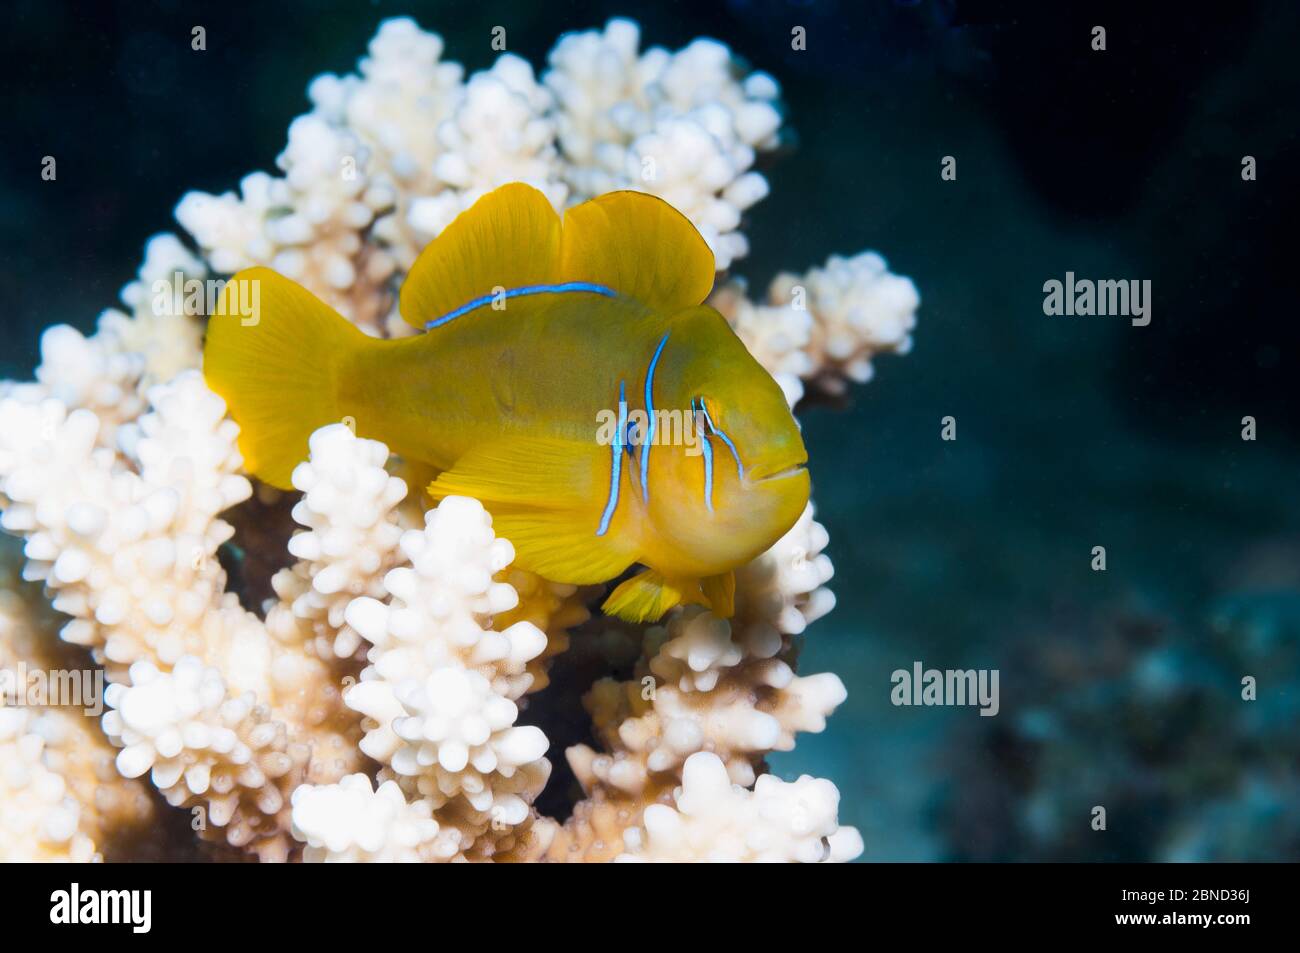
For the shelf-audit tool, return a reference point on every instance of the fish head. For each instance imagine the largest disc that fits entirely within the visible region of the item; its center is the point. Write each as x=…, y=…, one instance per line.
x=737, y=482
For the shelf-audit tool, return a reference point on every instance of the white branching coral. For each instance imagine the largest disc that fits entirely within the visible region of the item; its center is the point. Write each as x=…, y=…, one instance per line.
x=715, y=820
x=554, y=608
x=129, y=555
x=441, y=689
x=750, y=711
x=127, y=544
x=697, y=649
x=307, y=225
x=705, y=684
x=93, y=373
x=403, y=91
x=61, y=798
x=443, y=601
x=349, y=511
x=725, y=687
x=784, y=591
x=39, y=818
x=195, y=739
x=165, y=302
x=859, y=309
x=106, y=372
x=461, y=732
x=396, y=107
x=685, y=126
x=378, y=706
x=354, y=822
x=826, y=325
x=499, y=133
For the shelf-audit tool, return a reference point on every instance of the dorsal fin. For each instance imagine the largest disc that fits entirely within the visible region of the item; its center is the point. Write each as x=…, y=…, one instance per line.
x=509, y=238
x=639, y=245
x=628, y=243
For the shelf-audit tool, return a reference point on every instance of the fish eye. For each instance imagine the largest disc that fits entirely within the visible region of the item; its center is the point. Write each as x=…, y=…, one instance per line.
x=701, y=416
x=712, y=429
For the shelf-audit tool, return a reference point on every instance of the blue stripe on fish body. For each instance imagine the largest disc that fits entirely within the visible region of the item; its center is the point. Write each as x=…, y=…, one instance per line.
x=650, y=420
x=565, y=287
x=616, y=464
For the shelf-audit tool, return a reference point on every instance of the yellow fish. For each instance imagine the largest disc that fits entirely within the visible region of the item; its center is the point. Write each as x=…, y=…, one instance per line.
x=569, y=378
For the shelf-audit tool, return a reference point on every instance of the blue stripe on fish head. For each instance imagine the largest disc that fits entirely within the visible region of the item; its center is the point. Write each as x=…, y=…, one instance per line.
x=616, y=462
x=650, y=420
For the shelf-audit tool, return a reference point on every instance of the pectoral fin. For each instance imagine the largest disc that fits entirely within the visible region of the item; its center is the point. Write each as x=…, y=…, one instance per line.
x=546, y=496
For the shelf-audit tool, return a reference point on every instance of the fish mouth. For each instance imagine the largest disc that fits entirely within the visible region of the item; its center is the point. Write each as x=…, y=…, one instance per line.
x=776, y=472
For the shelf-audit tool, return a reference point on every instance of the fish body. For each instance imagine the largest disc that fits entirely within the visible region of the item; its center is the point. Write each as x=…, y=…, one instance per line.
x=569, y=378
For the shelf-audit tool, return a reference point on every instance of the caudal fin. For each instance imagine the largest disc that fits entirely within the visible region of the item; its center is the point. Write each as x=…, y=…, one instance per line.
x=273, y=352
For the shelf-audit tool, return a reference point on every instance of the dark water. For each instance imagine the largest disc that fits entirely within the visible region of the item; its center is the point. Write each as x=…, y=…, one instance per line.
x=1119, y=688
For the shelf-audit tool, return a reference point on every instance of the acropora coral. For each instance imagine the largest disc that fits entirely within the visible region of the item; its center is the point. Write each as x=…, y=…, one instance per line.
x=375, y=704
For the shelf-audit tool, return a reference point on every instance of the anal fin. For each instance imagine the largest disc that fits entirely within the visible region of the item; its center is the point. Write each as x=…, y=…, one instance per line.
x=644, y=598
x=649, y=594
x=720, y=590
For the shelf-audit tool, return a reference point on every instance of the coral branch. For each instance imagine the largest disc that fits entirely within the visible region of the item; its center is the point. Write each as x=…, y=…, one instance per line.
x=824, y=326
x=717, y=821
